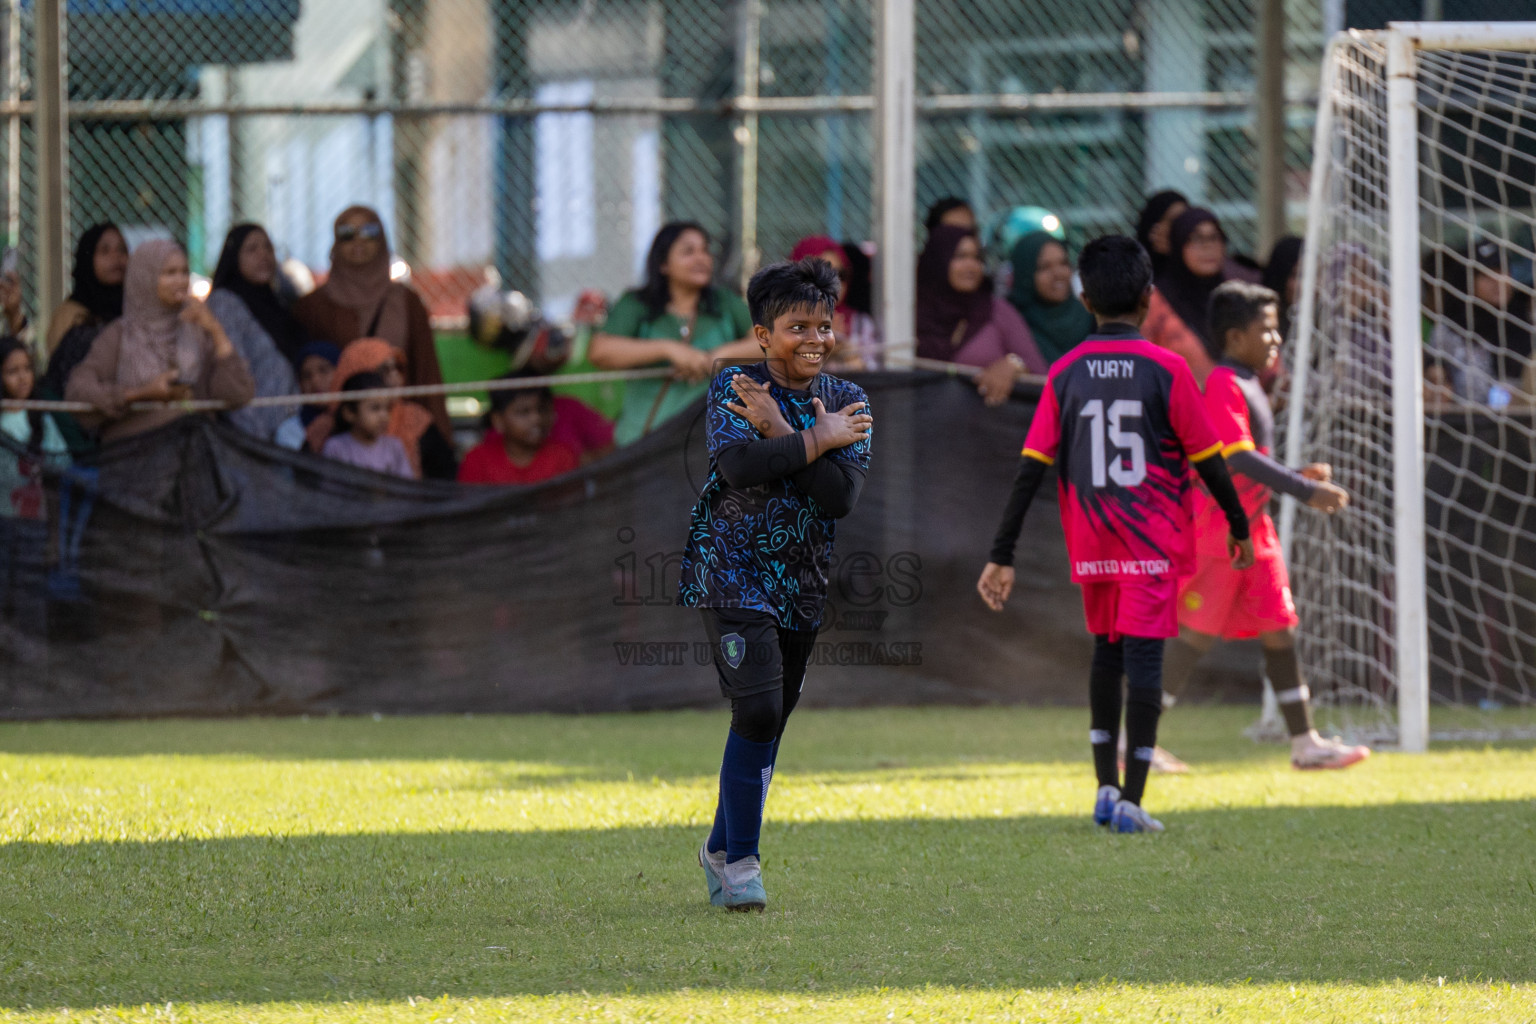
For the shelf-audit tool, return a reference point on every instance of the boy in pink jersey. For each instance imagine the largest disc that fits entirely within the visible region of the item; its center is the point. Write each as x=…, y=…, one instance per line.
x=1127, y=421
x=1216, y=602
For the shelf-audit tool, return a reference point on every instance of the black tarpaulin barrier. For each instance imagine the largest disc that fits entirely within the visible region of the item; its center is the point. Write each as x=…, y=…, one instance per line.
x=197, y=571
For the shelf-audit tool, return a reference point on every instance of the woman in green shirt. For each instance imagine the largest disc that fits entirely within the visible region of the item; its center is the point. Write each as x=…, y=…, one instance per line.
x=678, y=316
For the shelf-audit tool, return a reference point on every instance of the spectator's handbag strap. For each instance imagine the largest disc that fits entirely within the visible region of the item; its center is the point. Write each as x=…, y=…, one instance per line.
x=378, y=314
x=650, y=417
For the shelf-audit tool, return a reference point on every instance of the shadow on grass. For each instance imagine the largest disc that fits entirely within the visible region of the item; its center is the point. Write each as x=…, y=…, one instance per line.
x=1326, y=894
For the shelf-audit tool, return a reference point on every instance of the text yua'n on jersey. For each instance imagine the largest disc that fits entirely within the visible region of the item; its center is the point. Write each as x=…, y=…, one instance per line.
x=1125, y=420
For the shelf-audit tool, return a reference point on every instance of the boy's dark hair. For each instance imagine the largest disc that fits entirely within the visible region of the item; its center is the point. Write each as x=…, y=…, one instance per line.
x=357, y=382
x=1116, y=273
x=781, y=287
x=937, y=211
x=1234, y=305
x=503, y=398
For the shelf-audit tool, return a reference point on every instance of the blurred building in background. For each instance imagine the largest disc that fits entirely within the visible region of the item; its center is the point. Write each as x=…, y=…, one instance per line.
x=548, y=139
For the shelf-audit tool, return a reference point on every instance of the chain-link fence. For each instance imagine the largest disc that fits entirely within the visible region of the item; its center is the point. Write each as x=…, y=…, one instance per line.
x=1129, y=97
x=550, y=138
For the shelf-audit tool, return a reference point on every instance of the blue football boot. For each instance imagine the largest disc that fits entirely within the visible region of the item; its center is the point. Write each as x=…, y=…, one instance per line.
x=1129, y=817
x=743, y=886
x=1104, y=806
x=714, y=874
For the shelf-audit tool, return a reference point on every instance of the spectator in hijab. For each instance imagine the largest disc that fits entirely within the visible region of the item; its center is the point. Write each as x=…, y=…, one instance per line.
x=101, y=260
x=248, y=270
x=1480, y=335
x=359, y=300
x=952, y=211
x=316, y=365
x=1282, y=275
x=858, y=337
x=428, y=449
x=1155, y=221
x=1354, y=315
x=166, y=347
x=959, y=320
x=1501, y=312
x=861, y=285
x=678, y=317
x=262, y=330
x=1196, y=266
x=1042, y=293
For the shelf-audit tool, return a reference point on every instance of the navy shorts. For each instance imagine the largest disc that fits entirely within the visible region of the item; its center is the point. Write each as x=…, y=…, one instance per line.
x=754, y=654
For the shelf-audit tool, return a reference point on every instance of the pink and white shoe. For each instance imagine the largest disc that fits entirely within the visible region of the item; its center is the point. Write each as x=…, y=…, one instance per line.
x=1163, y=762
x=1329, y=755
x=1166, y=763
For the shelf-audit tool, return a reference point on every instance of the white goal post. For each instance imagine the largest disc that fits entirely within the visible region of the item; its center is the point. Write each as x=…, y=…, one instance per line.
x=1412, y=376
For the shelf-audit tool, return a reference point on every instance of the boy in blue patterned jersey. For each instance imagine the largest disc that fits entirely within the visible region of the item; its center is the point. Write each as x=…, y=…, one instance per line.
x=788, y=451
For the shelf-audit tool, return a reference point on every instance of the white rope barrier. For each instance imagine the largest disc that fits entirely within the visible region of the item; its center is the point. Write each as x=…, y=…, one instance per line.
x=958, y=369
x=423, y=390
x=407, y=391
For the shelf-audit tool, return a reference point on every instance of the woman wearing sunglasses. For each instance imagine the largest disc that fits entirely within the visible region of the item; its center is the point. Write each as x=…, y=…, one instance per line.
x=359, y=300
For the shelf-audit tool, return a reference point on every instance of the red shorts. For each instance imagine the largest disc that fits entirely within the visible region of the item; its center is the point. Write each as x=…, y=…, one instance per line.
x=1142, y=607
x=1237, y=604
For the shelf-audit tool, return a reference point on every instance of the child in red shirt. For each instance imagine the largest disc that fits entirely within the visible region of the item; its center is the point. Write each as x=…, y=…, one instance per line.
x=1216, y=602
x=1127, y=422
x=518, y=448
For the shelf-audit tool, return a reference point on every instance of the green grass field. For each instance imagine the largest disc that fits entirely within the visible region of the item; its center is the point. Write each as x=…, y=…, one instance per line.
x=922, y=865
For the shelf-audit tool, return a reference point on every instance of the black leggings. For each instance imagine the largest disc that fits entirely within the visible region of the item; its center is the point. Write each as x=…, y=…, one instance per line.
x=761, y=717
x=761, y=667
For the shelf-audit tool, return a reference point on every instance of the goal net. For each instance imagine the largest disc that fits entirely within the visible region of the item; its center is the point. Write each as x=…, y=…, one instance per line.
x=1413, y=378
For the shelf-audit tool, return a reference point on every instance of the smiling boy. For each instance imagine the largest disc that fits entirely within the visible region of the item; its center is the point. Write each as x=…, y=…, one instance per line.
x=783, y=468
x=1217, y=602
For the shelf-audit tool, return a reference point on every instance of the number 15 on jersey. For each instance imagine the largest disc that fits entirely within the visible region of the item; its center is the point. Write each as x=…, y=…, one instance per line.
x=1106, y=431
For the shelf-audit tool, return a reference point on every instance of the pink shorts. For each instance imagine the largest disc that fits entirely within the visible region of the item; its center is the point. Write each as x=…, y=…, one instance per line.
x=1237, y=604
x=1144, y=607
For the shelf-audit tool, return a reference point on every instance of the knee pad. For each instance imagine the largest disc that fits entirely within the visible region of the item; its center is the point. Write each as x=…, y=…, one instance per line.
x=756, y=718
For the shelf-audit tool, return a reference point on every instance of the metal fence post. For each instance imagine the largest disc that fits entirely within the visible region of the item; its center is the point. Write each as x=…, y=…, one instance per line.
x=749, y=69
x=236, y=142
x=1270, y=55
x=52, y=134
x=895, y=176
x=407, y=146
x=13, y=123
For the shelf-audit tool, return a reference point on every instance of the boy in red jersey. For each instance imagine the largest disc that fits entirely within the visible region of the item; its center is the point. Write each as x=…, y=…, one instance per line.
x=1216, y=602
x=1128, y=421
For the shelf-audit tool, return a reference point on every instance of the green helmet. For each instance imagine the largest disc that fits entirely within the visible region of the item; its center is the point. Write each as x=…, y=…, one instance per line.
x=1020, y=221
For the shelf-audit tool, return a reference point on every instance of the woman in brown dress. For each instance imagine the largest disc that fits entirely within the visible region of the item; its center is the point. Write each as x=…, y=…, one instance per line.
x=167, y=346
x=359, y=300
